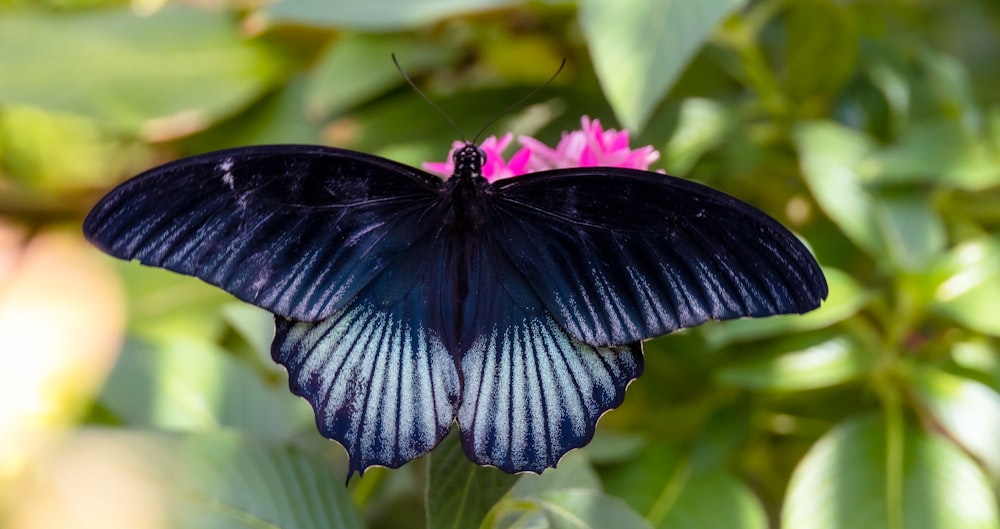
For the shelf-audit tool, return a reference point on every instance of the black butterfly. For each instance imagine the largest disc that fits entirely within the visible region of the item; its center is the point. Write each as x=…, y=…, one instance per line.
x=405, y=302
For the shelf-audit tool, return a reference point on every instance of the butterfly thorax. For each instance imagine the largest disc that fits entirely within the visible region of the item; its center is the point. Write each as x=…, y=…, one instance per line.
x=467, y=188
x=467, y=203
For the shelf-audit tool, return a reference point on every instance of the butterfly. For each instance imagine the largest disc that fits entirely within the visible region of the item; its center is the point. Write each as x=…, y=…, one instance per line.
x=404, y=302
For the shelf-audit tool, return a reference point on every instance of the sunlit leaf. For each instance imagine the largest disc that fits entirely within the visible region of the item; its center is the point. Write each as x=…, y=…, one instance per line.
x=670, y=492
x=979, y=355
x=62, y=317
x=587, y=509
x=377, y=14
x=278, y=117
x=255, y=325
x=116, y=478
x=59, y=151
x=359, y=68
x=715, y=499
x=968, y=410
x=701, y=126
x=574, y=471
x=970, y=293
x=800, y=363
x=913, y=233
x=164, y=305
x=640, y=47
x=460, y=492
x=651, y=482
x=609, y=446
x=522, y=507
x=851, y=479
x=828, y=154
x=186, y=385
x=936, y=152
x=133, y=73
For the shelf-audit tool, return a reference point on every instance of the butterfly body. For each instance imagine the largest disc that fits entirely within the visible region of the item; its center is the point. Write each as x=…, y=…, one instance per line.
x=405, y=303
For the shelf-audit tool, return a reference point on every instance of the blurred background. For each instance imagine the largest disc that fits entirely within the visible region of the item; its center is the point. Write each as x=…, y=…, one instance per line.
x=134, y=397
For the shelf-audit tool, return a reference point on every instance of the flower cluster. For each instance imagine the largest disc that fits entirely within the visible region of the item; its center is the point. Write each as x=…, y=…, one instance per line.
x=591, y=146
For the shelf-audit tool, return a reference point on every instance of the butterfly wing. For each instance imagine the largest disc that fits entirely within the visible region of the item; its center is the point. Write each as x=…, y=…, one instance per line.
x=619, y=255
x=298, y=230
x=531, y=392
x=378, y=373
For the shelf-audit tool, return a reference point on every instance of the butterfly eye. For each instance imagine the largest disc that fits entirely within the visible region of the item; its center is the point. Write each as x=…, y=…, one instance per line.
x=482, y=155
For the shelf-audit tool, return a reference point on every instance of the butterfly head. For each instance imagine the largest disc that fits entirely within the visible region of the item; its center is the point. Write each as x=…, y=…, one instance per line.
x=469, y=162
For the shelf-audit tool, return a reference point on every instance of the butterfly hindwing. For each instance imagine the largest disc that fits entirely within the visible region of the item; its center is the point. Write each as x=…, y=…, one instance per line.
x=297, y=230
x=618, y=255
x=377, y=373
x=531, y=392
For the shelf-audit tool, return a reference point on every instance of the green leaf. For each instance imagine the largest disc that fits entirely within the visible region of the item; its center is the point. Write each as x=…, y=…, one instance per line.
x=846, y=298
x=640, y=47
x=164, y=305
x=936, y=152
x=574, y=471
x=968, y=410
x=254, y=324
x=651, y=482
x=913, y=233
x=222, y=481
x=828, y=155
x=359, y=68
x=701, y=126
x=459, y=492
x=587, y=509
x=979, y=355
x=800, y=363
x=901, y=226
x=610, y=446
x=670, y=492
x=278, y=117
x=715, y=499
x=970, y=292
x=819, y=28
x=857, y=477
x=60, y=151
x=133, y=73
x=187, y=385
x=520, y=508
x=376, y=15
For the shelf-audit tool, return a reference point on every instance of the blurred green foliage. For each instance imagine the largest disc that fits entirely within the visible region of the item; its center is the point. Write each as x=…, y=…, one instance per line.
x=871, y=128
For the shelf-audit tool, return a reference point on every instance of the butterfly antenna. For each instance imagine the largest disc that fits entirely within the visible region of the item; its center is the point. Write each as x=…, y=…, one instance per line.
x=519, y=102
x=429, y=102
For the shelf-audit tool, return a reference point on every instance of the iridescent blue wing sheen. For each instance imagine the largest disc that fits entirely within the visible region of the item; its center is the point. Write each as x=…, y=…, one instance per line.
x=378, y=373
x=531, y=392
x=618, y=255
x=298, y=230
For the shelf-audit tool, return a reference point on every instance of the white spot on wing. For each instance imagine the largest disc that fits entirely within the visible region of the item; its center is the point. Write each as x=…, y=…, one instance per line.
x=225, y=168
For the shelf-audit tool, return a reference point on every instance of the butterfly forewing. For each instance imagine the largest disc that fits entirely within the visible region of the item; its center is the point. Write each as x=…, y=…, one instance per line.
x=619, y=255
x=297, y=230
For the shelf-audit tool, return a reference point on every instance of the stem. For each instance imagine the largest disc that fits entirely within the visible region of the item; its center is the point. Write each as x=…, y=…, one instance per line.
x=895, y=447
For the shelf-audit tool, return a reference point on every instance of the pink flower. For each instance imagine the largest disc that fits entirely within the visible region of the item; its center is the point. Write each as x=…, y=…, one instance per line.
x=495, y=167
x=592, y=146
